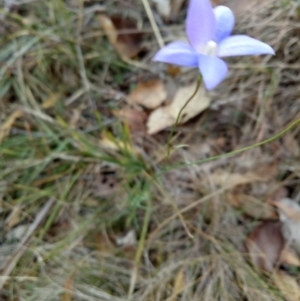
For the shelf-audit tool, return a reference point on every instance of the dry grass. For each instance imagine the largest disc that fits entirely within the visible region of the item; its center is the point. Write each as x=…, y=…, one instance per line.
x=59, y=71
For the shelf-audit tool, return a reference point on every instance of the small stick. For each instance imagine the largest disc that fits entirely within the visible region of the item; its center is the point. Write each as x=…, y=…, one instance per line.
x=154, y=26
x=21, y=249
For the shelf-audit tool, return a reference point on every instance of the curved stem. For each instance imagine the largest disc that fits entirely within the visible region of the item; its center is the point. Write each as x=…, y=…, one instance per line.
x=179, y=115
x=140, y=249
x=240, y=150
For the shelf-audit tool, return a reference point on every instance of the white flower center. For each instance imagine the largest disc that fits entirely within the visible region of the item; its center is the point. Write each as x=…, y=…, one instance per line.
x=210, y=49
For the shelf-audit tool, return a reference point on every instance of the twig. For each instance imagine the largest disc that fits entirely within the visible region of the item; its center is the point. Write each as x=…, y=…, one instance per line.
x=237, y=151
x=179, y=115
x=154, y=26
x=20, y=251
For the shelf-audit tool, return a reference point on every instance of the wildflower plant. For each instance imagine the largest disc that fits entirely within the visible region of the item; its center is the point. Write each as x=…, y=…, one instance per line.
x=209, y=33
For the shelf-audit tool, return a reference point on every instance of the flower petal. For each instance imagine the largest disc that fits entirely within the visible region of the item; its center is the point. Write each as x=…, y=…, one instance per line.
x=224, y=22
x=178, y=53
x=213, y=70
x=243, y=45
x=200, y=23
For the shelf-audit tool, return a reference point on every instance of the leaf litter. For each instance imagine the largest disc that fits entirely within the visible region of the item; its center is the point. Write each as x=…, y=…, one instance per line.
x=221, y=201
x=166, y=116
x=150, y=94
x=127, y=44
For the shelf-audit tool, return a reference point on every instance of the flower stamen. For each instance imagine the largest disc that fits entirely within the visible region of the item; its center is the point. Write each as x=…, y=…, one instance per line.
x=211, y=48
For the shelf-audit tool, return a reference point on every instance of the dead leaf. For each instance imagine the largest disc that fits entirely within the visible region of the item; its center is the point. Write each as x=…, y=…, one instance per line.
x=149, y=94
x=252, y=206
x=287, y=285
x=223, y=178
x=289, y=213
x=164, y=117
x=198, y=103
x=123, y=35
x=135, y=119
x=159, y=119
x=278, y=194
x=288, y=208
x=5, y=128
x=265, y=244
x=290, y=258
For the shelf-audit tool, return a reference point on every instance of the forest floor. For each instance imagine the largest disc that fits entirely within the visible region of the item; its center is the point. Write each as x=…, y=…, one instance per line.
x=102, y=198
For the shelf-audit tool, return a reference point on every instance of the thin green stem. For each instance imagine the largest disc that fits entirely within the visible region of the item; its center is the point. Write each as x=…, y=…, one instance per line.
x=238, y=151
x=140, y=250
x=179, y=115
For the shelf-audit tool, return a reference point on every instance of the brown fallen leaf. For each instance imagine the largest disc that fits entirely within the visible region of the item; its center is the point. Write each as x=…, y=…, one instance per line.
x=128, y=43
x=223, y=178
x=135, y=119
x=199, y=102
x=288, y=208
x=289, y=257
x=150, y=94
x=159, y=119
x=252, y=206
x=164, y=117
x=265, y=244
x=278, y=194
x=287, y=285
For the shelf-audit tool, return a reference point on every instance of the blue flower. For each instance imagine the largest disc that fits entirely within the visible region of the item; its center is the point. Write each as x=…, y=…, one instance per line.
x=209, y=32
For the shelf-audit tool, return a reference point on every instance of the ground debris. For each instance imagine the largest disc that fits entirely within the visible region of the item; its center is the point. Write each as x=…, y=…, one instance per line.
x=265, y=244
x=127, y=44
x=166, y=116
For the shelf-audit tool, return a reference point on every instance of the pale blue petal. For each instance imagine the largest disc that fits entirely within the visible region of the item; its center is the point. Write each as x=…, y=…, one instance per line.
x=243, y=45
x=213, y=70
x=200, y=23
x=224, y=22
x=178, y=53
